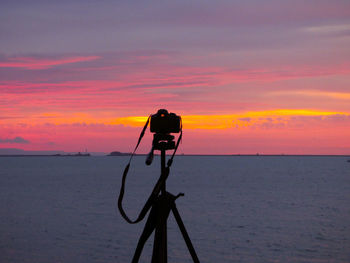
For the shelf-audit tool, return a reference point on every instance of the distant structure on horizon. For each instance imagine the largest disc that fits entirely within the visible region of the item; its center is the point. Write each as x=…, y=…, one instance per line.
x=75, y=154
x=116, y=153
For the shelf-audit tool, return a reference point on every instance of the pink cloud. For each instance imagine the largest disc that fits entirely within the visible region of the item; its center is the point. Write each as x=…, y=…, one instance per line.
x=49, y=106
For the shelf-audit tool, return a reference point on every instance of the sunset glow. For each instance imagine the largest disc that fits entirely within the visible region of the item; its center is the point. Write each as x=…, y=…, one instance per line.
x=243, y=82
x=234, y=120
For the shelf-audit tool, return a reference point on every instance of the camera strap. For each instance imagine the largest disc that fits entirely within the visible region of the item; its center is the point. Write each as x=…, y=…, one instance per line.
x=170, y=161
x=157, y=187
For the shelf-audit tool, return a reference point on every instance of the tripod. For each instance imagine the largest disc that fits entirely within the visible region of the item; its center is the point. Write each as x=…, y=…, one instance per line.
x=161, y=207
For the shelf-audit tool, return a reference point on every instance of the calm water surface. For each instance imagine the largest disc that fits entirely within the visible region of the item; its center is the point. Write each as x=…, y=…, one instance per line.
x=235, y=208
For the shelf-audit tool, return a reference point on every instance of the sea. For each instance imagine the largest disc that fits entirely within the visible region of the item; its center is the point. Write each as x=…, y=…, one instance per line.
x=235, y=209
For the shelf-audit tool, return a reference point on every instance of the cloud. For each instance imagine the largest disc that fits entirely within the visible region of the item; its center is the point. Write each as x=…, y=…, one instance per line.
x=14, y=140
x=257, y=119
x=313, y=93
x=329, y=29
x=68, y=26
x=42, y=63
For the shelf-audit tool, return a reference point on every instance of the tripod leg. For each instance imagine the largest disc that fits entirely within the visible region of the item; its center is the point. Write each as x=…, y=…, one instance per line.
x=156, y=220
x=147, y=231
x=160, y=254
x=185, y=234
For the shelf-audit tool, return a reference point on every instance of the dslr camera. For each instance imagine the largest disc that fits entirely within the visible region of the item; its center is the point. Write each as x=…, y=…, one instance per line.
x=164, y=122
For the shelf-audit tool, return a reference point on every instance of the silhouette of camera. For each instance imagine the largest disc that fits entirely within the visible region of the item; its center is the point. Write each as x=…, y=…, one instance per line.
x=164, y=122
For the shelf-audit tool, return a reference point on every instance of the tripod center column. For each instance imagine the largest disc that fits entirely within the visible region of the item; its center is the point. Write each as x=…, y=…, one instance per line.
x=160, y=249
x=163, y=171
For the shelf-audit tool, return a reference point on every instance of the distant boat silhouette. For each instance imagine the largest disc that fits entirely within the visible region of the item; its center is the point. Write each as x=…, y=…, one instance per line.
x=81, y=154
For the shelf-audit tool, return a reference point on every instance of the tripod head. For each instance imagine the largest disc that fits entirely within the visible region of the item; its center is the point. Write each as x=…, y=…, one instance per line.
x=161, y=142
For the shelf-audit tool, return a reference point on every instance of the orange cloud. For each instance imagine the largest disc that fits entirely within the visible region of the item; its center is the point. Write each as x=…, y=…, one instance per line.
x=275, y=131
x=205, y=122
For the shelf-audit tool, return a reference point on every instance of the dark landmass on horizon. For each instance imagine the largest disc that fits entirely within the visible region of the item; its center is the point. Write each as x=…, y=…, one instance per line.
x=116, y=153
x=19, y=152
x=42, y=155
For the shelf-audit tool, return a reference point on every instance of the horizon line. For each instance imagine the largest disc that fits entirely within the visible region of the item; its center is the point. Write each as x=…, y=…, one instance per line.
x=144, y=154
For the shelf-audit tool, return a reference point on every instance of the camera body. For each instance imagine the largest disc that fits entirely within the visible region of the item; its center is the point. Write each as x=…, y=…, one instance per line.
x=164, y=122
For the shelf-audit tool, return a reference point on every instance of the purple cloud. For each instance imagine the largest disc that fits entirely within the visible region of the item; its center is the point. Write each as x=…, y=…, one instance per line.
x=17, y=139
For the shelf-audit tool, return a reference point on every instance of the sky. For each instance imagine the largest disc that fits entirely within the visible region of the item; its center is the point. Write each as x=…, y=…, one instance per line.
x=247, y=77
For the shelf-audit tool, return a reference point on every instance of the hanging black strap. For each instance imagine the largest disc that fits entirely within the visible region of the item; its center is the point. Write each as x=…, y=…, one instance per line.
x=170, y=161
x=125, y=173
x=157, y=187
